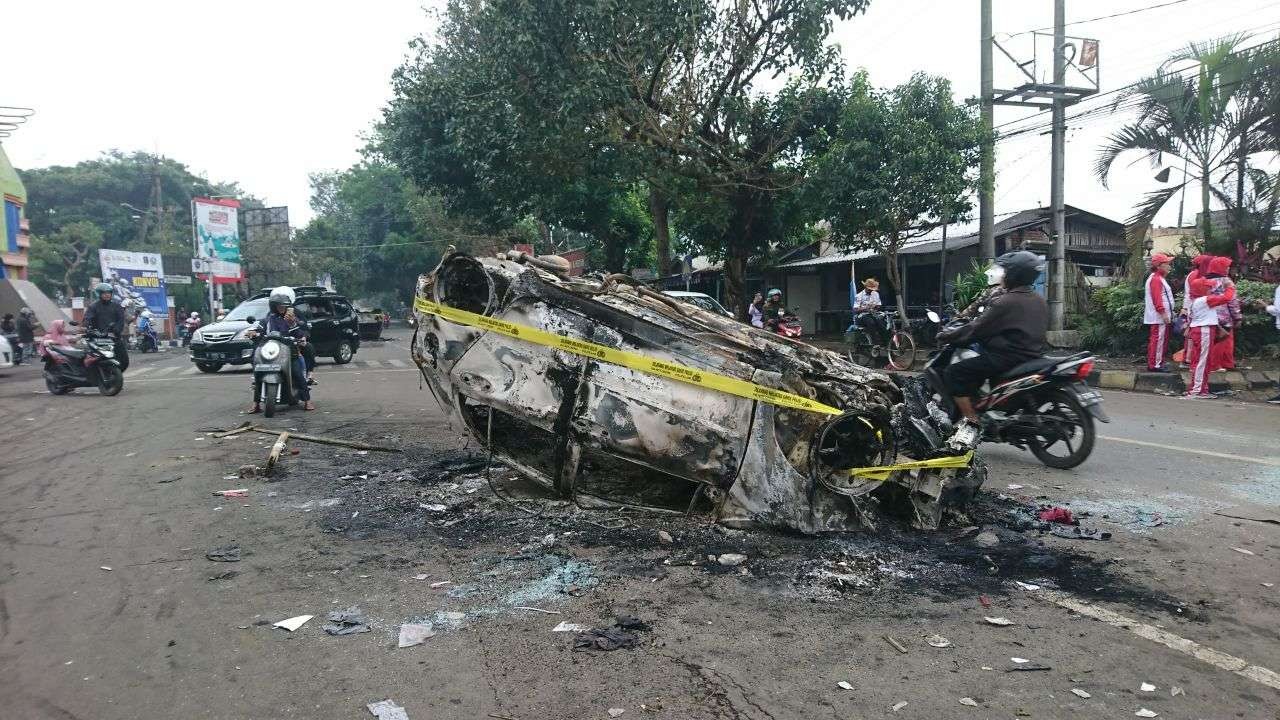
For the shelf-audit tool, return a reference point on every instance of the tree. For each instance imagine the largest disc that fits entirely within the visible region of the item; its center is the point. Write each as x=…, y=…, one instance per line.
x=902, y=163
x=64, y=260
x=1197, y=118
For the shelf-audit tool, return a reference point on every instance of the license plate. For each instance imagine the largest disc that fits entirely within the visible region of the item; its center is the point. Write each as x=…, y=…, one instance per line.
x=266, y=368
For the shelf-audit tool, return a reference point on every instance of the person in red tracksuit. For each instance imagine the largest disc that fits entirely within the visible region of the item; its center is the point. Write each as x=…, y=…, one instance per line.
x=1202, y=325
x=1158, y=313
x=1229, y=316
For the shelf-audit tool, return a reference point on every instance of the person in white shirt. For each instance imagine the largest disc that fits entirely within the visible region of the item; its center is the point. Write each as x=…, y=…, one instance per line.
x=1158, y=313
x=1202, y=325
x=1274, y=310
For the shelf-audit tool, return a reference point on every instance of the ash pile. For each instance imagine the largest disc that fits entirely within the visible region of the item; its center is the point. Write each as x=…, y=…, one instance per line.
x=603, y=433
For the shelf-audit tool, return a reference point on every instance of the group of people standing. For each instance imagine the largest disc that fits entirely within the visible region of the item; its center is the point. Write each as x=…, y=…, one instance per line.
x=23, y=331
x=1211, y=312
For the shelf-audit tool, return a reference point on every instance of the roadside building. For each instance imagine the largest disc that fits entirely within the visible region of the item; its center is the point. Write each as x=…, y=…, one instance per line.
x=14, y=238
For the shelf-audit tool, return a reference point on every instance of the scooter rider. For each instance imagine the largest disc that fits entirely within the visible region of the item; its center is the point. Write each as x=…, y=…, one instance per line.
x=279, y=302
x=773, y=310
x=107, y=316
x=1010, y=331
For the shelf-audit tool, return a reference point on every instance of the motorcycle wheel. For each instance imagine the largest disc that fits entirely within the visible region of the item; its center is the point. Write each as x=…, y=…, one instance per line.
x=902, y=351
x=269, y=402
x=55, y=387
x=1061, y=412
x=110, y=380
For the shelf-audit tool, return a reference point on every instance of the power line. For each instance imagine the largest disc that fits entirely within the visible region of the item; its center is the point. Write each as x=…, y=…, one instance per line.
x=1105, y=17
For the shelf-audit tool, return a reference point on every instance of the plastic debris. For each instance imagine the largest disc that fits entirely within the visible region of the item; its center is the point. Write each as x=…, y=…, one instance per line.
x=432, y=507
x=387, y=710
x=237, y=493
x=570, y=627
x=1026, y=586
x=665, y=538
x=1079, y=533
x=1014, y=486
x=347, y=622
x=731, y=559
x=615, y=712
x=1080, y=693
x=223, y=575
x=968, y=701
x=534, y=609
x=1056, y=515
x=1242, y=551
x=896, y=645
x=1001, y=621
x=984, y=601
x=1147, y=687
x=1175, y=691
x=415, y=634
x=442, y=583
x=422, y=576
x=105, y=567
x=1145, y=713
x=1019, y=661
x=293, y=623
x=1267, y=585
x=844, y=685
x=225, y=553
x=938, y=641
x=899, y=705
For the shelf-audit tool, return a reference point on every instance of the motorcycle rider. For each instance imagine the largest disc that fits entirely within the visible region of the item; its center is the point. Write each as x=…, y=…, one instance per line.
x=107, y=316
x=1010, y=331
x=145, y=331
x=279, y=303
x=995, y=274
x=773, y=310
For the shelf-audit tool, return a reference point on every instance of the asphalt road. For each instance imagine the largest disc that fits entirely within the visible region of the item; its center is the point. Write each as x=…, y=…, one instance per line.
x=125, y=483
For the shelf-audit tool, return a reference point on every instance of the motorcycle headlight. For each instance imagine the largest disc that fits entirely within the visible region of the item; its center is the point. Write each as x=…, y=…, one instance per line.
x=270, y=350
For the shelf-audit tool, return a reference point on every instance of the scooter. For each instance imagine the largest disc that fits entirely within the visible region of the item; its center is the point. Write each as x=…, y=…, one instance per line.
x=1042, y=405
x=91, y=364
x=787, y=325
x=273, y=381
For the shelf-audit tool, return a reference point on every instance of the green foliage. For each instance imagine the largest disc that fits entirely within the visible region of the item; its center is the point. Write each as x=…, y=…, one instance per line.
x=1114, y=324
x=1257, y=334
x=64, y=260
x=970, y=284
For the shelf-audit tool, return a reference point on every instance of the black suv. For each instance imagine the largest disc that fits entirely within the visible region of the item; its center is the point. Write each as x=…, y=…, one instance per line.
x=335, y=330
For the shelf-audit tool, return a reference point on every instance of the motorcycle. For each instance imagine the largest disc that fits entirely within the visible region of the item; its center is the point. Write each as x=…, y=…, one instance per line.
x=144, y=341
x=787, y=325
x=92, y=363
x=273, y=380
x=1042, y=405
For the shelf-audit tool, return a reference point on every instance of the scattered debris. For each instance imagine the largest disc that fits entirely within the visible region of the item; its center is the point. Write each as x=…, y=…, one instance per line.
x=968, y=701
x=441, y=583
x=432, y=507
x=347, y=622
x=1175, y=691
x=1242, y=551
x=618, y=635
x=1056, y=515
x=1147, y=687
x=844, y=685
x=896, y=645
x=237, y=493
x=1267, y=585
x=615, y=712
x=938, y=641
x=1145, y=713
x=387, y=710
x=665, y=538
x=534, y=609
x=415, y=634
x=169, y=480
x=1080, y=693
x=571, y=627
x=731, y=559
x=225, y=553
x=1026, y=586
x=1014, y=486
x=276, y=449
x=1028, y=667
x=1268, y=520
x=105, y=567
x=1079, y=533
x=421, y=576
x=1001, y=621
x=293, y=623
x=249, y=471
x=986, y=539
x=984, y=601
x=899, y=705
x=227, y=575
x=1019, y=661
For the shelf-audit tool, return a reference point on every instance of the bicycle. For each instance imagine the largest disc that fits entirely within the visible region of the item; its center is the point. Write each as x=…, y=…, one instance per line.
x=899, y=351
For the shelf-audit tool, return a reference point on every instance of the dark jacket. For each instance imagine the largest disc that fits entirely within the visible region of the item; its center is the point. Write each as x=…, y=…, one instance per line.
x=1013, y=326
x=26, y=331
x=105, y=317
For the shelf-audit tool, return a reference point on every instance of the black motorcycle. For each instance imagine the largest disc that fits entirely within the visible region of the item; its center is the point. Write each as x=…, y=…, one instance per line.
x=273, y=380
x=92, y=363
x=1042, y=405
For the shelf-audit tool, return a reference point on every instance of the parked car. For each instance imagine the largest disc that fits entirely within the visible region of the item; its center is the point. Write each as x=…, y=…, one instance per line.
x=335, y=329
x=702, y=300
x=6, y=353
x=370, y=324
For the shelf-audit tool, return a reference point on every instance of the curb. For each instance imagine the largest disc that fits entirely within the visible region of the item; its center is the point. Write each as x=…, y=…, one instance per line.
x=1238, y=381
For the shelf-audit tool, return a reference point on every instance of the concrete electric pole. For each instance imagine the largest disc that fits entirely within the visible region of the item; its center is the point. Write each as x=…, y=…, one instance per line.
x=1057, y=264
x=987, y=173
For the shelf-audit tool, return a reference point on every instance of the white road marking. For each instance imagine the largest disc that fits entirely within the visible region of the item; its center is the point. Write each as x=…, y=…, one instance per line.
x=1274, y=462
x=1230, y=663
x=397, y=363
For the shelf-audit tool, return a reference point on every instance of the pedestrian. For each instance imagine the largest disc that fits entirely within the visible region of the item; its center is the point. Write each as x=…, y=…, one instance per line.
x=7, y=325
x=1158, y=312
x=1229, y=316
x=1202, y=324
x=1274, y=310
x=26, y=325
x=755, y=310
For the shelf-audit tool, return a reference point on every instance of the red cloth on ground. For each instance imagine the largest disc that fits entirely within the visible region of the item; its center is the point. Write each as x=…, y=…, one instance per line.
x=1057, y=515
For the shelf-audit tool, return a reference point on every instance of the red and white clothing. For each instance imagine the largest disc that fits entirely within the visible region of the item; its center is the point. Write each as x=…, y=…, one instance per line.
x=1202, y=325
x=1159, y=308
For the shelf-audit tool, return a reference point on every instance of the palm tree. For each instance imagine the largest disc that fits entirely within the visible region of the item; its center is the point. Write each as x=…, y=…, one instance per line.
x=1199, y=115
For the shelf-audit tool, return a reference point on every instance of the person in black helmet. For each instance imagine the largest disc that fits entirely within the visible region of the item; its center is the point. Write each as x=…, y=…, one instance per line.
x=107, y=316
x=1010, y=331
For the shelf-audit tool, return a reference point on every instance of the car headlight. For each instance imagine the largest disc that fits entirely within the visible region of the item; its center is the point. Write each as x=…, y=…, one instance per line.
x=270, y=350
x=197, y=336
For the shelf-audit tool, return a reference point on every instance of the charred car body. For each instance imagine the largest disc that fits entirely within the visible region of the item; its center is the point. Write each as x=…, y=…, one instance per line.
x=592, y=429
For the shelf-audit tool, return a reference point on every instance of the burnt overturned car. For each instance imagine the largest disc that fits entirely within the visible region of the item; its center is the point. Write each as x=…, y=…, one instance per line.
x=594, y=430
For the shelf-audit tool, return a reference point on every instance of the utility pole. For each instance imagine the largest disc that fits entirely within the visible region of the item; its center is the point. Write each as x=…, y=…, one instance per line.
x=1057, y=266
x=942, y=263
x=987, y=172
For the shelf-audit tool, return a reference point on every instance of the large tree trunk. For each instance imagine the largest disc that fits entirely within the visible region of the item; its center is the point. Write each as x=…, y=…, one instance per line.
x=544, y=231
x=615, y=253
x=895, y=277
x=735, y=279
x=661, y=229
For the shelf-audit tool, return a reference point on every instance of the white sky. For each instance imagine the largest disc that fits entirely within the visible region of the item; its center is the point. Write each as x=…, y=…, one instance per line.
x=266, y=92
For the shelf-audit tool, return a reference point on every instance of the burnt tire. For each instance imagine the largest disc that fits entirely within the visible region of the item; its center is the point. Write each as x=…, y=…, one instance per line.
x=1062, y=410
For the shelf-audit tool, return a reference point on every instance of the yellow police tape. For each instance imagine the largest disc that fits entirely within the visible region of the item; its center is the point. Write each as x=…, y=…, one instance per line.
x=673, y=371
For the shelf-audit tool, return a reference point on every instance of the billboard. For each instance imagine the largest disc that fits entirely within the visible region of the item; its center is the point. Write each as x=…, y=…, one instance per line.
x=217, y=236
x=136, y=277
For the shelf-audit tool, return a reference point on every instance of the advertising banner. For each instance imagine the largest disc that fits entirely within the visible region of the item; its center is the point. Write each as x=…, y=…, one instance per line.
x=137, y=279
x=217, y=229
